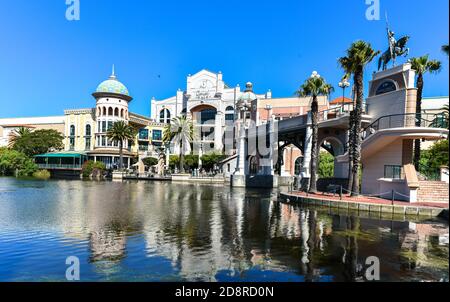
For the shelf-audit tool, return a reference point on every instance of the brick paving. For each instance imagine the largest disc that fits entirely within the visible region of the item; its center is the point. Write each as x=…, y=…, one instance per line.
x=365, y=199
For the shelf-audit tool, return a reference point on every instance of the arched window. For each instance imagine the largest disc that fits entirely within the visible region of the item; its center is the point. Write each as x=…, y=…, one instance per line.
x=121, y=113
x=104, y=111
x=208, y=116
x=298, y=165
x=229, y=108
x=385, y=87
x=72, y=130
x=164, y=116
x=110, y=111
x=99, y=111
x=88, y=130
x=116, y=112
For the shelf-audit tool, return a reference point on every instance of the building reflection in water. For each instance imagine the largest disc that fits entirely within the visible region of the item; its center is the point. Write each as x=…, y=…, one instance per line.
x=209, y=231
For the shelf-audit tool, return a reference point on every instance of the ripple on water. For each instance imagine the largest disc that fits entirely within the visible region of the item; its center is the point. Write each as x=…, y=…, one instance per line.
x=134, y=231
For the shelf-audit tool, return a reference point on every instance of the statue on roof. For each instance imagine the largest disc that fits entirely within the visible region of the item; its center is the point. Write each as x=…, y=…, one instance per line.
x=396, y=48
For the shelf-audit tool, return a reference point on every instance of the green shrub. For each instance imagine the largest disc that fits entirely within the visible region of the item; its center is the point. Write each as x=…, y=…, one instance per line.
x=42, y=174
x=432, y=159
x=13, y=162
x=326, y=165
x=209, y=160
x=174, y=161
x=93, y=168
x=150, y=161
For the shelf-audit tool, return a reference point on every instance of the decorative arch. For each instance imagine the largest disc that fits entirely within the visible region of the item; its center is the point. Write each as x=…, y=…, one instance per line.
x=104, y=111
x=334, y=146
x=116, y=112
x=386, y=86
x=121, y=113
x=110, y=111
x=298, y=165
x=164, y=116
x=229, y=108
x=72, y=130
x=88, y=130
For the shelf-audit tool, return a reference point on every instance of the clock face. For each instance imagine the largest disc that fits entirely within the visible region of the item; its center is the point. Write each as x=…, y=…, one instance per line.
x=205, y=90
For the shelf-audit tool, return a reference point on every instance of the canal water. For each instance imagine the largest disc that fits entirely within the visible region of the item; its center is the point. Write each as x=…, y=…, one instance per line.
x=160, y=231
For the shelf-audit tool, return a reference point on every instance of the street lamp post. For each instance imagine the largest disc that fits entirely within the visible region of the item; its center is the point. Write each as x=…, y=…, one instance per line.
x=268, y=108
x=344, y=84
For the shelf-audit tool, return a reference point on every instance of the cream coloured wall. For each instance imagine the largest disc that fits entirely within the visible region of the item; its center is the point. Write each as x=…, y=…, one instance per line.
x=79, y=120
x=373, y=166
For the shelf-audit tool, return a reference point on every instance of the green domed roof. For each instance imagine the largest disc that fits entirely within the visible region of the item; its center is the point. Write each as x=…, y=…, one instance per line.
x=112, y=85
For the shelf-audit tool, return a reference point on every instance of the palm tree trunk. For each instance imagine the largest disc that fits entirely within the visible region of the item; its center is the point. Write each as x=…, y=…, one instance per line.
x=120, y=155
x=314, y=144
x=181, y=158
x=357, y=135
x=418, y=119
x=350, y=150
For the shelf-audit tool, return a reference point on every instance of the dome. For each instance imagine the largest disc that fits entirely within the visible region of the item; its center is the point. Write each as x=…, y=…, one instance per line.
x=248, y=95
x=112, y=85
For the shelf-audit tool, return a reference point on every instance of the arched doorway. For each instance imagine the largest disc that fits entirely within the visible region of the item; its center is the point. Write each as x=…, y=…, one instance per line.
x=331, y=147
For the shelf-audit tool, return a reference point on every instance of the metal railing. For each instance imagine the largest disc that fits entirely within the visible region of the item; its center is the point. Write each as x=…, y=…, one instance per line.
x=408, y=120
x=59, y=167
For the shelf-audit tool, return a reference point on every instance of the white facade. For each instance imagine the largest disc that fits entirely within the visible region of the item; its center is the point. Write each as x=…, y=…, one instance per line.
x=208, y=101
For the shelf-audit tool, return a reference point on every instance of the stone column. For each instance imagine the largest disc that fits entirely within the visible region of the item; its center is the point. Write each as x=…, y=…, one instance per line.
x=218, y=132
x=305, y=173
x=242, y=153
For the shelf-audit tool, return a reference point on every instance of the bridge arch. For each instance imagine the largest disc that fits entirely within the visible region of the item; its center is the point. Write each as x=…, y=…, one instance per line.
x=333, y=145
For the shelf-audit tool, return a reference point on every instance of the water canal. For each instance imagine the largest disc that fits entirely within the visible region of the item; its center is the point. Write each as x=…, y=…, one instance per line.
x=144, y=231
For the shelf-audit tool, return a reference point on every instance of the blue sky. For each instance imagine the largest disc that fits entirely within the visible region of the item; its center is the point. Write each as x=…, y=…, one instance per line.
x=48, y=64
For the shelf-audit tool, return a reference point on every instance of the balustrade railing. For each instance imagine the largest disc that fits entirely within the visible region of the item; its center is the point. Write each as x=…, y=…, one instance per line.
x=407, y=120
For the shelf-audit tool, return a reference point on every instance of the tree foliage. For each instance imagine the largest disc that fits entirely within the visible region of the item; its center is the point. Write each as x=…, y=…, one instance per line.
x=212, y=159
x=150, y=161
x=180, y=132
x=358, y=55
x=119, y=133
x=13, y=162
x=314, y=87
x=435, y=157
x=326, y=165
x=38, y=142
x=93, y=168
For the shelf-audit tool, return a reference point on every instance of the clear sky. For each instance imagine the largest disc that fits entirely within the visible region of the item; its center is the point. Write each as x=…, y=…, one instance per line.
x=48, y=64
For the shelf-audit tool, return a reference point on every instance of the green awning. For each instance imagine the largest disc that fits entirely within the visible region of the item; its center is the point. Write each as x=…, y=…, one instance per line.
x=61, y=155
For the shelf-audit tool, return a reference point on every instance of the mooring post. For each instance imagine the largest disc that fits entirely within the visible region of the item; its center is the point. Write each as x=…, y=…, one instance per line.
x=393, y=197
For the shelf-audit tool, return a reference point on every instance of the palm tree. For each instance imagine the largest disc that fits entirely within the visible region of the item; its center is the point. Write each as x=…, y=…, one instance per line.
x=421, y=65
x=180, y=131
x=120, y=132
x=358, y=56
x=445, y=49
x=313, y=87
x=17, y=135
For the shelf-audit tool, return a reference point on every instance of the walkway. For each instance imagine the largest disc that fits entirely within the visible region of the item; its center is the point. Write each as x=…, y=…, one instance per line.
x=365, y=199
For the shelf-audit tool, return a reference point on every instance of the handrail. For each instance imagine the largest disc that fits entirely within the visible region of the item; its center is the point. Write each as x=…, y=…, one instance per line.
x=425, y=122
